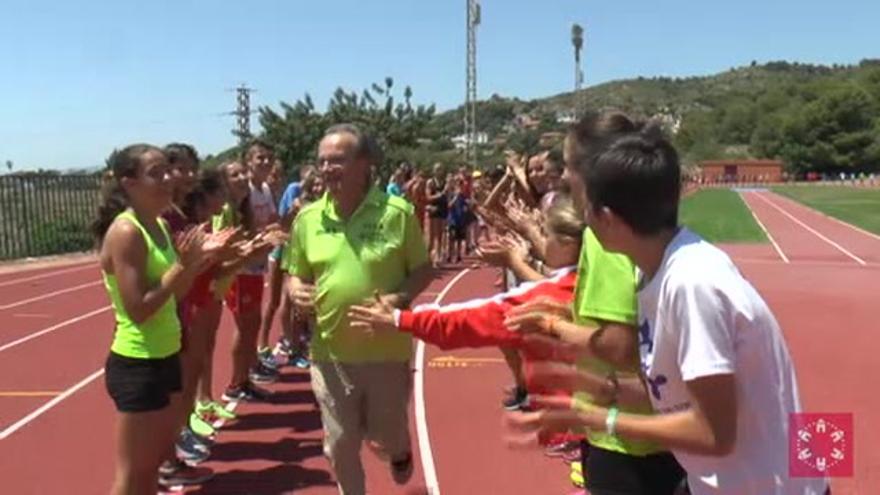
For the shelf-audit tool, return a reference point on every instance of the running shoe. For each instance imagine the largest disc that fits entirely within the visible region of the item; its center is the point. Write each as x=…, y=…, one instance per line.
x=517, y=401
x=234, y=394
x=248, y=393
x=299, y=360
x=201, y=443
x=185, y=475
x=263, y=374
x=201, y=427
x=577, y=475
x=212, y=410
x=402, y=470
x=267, y=359
x=189, y=452
x=285, y=346
x=169, y=467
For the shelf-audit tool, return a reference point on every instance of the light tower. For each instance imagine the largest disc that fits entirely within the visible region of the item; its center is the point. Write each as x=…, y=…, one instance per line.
x=577, y=41
x=470, y=104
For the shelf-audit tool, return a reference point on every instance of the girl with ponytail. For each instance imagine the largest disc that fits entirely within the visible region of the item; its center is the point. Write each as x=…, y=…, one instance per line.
x=242, y=284
x=144, y=272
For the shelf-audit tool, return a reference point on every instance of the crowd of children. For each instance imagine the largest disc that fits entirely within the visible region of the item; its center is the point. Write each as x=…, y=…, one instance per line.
x=637, y=350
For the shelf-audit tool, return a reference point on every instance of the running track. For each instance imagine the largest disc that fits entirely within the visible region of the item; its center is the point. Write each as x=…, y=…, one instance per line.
x=56, y=421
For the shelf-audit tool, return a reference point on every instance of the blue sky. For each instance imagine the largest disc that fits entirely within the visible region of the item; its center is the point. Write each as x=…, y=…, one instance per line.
x=83, y=77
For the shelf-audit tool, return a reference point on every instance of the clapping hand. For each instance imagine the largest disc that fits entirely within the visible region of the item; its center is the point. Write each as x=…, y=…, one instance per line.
x=196, y=247
x=528, y=430
x=494, y=253
x=304, y=296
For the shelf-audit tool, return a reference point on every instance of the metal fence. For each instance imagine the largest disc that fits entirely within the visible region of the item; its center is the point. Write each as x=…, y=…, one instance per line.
x=43, y=214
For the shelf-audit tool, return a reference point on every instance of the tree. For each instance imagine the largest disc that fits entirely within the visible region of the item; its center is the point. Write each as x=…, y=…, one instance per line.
x=738, y=123
x=9, y=165
x=836, y=132
x=296, y=130
x=766, y=140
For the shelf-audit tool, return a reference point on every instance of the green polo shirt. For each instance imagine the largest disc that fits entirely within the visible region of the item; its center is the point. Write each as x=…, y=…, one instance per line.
x=606, y=290
x=376, y=249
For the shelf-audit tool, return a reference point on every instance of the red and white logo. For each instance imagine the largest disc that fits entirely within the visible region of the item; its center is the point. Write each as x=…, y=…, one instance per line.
x=820, y=445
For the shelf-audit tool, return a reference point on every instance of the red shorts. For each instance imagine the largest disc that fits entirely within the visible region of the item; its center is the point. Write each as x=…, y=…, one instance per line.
x=246, y=294
x=199, y=296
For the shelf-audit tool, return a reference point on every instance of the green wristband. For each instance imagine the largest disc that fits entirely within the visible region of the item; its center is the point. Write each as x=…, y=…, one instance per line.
x=611, y=421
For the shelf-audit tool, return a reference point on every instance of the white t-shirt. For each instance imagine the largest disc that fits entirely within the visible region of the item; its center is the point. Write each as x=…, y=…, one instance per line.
x=262, y=205
x=263, y=209
x=699, y=317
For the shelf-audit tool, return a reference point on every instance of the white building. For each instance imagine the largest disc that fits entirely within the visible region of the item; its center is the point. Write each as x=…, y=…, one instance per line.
x=462, y=140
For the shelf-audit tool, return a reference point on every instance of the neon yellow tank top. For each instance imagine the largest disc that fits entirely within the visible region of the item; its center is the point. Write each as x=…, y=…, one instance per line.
x=159, y=335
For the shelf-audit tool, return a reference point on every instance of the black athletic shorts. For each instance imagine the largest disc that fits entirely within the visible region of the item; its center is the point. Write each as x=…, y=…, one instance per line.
x=457, y=232
x=613, y=473
x=142, y=385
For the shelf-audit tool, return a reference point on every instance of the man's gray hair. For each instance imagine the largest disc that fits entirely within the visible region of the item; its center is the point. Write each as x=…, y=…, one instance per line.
x=365, y=145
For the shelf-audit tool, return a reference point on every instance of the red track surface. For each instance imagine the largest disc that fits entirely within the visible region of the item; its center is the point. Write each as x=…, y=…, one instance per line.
x=826, y=303
x=823, y=298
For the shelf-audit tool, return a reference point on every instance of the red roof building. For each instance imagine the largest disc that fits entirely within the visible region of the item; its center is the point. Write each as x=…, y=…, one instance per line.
x=741, y=171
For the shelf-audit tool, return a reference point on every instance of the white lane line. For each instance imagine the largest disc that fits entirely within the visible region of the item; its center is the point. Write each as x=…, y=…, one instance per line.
x=50, y=274
x=49, y=405
x=52, y=328
x=766, y=232
x=50, y=295
x=813, y=231
x=841, y=222
x=428, y=467
x=72, y=390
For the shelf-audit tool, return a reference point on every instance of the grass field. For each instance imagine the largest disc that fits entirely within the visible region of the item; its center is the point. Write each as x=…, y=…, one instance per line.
x=719, y=215
x=860, y=207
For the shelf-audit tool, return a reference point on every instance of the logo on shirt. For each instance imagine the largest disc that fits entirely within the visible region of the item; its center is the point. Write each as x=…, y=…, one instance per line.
x=646, y=349
x=820, y=445
x=645, y=339
x=654, y=384
x=371, y=233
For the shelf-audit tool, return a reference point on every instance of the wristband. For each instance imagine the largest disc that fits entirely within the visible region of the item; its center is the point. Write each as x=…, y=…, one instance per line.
x=611, y=421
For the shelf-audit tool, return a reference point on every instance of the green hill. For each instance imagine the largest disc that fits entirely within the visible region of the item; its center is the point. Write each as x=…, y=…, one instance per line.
x=813, y=117
x=824, y=118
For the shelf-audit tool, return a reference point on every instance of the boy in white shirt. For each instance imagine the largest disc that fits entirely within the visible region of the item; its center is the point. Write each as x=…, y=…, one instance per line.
x=714, y=361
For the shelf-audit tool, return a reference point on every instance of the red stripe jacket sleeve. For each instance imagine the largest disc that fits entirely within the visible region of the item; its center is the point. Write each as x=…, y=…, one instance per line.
x=480, y=322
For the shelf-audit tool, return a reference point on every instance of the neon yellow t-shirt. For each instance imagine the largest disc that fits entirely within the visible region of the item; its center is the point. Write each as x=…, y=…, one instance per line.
x=606, y=290
x=376, y=249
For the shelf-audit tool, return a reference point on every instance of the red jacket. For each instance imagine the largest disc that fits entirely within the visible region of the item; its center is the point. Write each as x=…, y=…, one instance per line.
x=480, y=322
